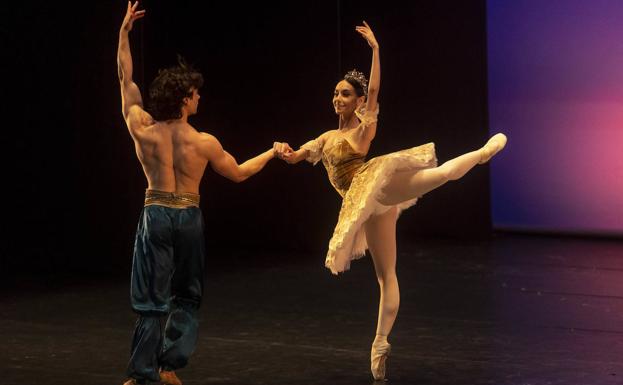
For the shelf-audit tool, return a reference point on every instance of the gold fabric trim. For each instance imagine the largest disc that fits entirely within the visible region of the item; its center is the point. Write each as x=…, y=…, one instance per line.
x=171, y=199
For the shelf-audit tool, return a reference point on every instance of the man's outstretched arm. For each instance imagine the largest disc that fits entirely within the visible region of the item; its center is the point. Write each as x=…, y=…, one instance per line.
x=226, y=165
x=131, y=100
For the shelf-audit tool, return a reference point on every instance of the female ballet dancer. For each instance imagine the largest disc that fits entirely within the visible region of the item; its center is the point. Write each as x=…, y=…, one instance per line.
x=374, y=192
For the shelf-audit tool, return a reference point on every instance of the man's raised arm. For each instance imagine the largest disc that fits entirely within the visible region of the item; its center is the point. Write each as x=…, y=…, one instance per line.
x=130, y=94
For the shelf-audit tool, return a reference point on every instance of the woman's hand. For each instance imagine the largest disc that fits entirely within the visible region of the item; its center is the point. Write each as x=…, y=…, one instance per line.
x=282, y=150
x=365, y=31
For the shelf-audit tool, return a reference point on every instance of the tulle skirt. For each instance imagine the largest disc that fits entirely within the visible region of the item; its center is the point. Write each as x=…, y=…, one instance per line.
x=361, y=201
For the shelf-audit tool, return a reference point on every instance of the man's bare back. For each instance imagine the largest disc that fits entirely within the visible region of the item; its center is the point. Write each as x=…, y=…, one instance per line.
x=173, y=155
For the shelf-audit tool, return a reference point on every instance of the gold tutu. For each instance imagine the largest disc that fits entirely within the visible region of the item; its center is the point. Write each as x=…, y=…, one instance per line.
x=360, y=184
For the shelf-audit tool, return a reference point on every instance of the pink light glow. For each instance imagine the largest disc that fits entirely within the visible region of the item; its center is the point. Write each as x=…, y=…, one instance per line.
x=556, y=89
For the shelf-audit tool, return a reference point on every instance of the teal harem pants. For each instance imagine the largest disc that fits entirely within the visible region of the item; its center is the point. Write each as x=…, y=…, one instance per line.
x=167, y=280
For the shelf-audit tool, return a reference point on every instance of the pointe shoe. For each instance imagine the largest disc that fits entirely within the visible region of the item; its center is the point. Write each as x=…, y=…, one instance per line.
x=378, y=356
x=169, y=378
x=495, y=144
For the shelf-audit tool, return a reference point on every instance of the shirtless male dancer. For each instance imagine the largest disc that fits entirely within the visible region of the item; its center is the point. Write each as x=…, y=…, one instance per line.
x=169, y=250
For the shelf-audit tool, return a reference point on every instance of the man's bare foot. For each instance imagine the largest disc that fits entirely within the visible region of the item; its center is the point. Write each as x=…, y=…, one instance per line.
x=169, y=378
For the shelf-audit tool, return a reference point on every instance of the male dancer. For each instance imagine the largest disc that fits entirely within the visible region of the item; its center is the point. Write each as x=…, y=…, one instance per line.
x=169, y=251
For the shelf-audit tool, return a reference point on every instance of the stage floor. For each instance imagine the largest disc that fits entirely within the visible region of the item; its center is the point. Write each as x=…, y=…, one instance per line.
x=514, y=310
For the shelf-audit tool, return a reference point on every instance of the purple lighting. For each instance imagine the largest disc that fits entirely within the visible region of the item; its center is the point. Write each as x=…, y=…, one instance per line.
x=556, y=90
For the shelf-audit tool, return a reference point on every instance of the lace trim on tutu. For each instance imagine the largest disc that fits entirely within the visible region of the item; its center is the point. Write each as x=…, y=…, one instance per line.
x=314, y=147
x=361, y=201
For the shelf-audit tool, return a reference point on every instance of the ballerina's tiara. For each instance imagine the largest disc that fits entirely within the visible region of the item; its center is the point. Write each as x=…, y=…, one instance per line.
x=358, y=77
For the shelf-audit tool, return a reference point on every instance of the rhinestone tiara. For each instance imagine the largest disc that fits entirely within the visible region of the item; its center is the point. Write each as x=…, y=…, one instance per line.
x=358, y=77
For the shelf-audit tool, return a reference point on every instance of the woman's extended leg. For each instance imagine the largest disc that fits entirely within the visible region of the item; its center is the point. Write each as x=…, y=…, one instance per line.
x=407, y=185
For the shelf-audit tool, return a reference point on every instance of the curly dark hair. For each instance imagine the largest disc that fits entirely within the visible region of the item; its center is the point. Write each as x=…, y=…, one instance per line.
x=170, y=87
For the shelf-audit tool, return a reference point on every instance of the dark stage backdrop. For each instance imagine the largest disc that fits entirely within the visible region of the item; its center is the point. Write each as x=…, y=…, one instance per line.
x=76, y=188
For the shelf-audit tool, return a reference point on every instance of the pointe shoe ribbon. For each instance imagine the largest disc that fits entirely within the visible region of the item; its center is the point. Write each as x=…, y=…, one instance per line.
x=495, y=144
x=378, y=356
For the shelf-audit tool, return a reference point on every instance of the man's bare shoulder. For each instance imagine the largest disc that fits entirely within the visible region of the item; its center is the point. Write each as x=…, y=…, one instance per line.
x=208, y=143
x=207, y=139
x=188, y=129
x=139, y=120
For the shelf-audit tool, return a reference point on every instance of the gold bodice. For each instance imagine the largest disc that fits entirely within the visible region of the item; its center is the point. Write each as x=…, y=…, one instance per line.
x=342, y=163
x=340, y=159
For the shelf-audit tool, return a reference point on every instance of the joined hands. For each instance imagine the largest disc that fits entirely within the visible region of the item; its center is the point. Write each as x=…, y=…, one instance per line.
x=282, y=150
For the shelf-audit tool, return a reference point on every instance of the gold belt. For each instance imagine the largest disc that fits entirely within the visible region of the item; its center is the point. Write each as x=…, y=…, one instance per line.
x=171, y=199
